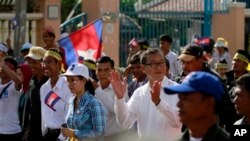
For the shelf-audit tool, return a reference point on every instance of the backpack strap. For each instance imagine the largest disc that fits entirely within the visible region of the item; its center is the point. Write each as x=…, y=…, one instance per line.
x=4, y=89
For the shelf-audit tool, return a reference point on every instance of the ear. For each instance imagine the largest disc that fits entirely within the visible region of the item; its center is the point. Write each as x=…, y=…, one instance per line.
x=143, y=67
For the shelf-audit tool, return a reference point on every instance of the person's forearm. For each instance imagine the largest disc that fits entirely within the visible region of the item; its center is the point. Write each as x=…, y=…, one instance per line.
x=13, y=76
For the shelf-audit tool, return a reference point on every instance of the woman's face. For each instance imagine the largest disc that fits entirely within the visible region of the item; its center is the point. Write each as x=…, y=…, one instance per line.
x=48, y=39
x=76, y=84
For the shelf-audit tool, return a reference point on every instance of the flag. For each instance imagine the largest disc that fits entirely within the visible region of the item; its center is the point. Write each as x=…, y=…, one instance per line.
x=85, y=42
x=51, y=99
x=13, y=23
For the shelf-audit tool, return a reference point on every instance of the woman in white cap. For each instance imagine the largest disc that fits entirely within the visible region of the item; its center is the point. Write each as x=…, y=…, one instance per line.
x=86, y=117
x=222, y=47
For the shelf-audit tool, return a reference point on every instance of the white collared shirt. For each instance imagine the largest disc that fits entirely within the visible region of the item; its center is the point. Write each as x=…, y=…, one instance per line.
x=174, y=64
x=54, y=119
x=107, y=98
x=160, y=122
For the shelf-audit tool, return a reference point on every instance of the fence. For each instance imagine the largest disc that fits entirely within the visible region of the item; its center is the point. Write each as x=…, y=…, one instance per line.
x=181, y=19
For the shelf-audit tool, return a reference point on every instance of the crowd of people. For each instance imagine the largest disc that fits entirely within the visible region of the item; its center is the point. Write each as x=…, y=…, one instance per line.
x=160, y=95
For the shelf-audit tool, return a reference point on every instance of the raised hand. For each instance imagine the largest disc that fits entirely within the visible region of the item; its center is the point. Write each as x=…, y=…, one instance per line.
x=118, y=86
x=155, y=92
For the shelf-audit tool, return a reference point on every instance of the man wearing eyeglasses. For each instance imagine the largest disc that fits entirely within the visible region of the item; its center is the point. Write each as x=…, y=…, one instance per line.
x=192, y=59
x=156, y=113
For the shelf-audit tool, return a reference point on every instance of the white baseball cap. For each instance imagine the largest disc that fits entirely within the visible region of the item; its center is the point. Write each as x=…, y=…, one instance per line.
x=77, y=69
x=221, y=42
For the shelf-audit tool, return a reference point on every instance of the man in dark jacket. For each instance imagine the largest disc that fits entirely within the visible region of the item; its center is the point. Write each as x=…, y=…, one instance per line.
x=239, y=68
x=199, y=94
x=192, y=60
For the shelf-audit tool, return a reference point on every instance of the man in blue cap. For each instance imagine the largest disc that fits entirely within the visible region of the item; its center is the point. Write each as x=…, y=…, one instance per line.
x=199, y=96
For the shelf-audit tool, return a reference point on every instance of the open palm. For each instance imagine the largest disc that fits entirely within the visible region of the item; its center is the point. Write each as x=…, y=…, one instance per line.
x=118, y=85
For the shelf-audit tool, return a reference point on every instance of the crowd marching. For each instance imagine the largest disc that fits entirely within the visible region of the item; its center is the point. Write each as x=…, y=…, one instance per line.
x=195, y=96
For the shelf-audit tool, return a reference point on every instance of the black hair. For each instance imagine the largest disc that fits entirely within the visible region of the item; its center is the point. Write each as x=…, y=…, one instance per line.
x=135, y=59
x=91, y=71
x=143, y=44
x=50, y=34
x=57, y=50
x=88, y=85
x=167, y=38
x=148, y=52
x=167, y=63
x=208, y=47
x=223, y=61
x=12, y=61
x=106, y=59
x=244, y=53
x=244, y=82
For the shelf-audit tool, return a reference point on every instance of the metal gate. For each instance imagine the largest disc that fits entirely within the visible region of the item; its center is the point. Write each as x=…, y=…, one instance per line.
x=181, y=19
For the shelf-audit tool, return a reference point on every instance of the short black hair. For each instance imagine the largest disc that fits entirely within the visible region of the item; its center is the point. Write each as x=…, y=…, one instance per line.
x=12, y=61
x=244, y=53
x=166, y=37
x=135, y=59
x=148, y=52
x=106, y=59
x=167, y=63
x=143, y=44
x=244, y=82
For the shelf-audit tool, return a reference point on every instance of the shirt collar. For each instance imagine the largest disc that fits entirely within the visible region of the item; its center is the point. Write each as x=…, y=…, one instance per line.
x=59, y=83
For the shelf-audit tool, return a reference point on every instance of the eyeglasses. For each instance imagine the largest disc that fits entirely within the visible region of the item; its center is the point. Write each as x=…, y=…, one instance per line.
x=155, y=65
x=72, y=81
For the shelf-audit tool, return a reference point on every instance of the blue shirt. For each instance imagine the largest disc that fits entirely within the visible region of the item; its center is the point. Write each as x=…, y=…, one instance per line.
x=89, y=119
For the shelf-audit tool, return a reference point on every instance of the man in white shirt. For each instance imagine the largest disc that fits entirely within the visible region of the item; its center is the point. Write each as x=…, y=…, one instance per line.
x=156, y=113
x=10, y=85
x=55, y=96
x=165, y=45
x=106, y=95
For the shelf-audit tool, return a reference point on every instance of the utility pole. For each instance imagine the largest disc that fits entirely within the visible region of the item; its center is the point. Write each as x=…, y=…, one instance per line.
x=20, y=17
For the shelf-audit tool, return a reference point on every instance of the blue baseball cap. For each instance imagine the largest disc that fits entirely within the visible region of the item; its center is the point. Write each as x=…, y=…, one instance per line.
x=26, y=46
x=3, y=48
x=198, y=81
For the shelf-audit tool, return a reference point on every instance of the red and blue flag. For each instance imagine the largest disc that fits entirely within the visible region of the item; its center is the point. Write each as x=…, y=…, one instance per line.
x=51, y=99
x=85, y=42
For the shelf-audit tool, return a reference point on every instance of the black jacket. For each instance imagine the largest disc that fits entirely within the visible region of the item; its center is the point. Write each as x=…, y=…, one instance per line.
x=215, y=133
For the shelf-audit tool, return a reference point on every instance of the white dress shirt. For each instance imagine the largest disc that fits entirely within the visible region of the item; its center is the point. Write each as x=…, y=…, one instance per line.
x=50, y=118
x=160, y=122
x=107, y=98
x=174, y=63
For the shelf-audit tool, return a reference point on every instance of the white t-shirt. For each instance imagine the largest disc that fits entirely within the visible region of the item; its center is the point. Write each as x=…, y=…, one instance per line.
x=9, y=120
